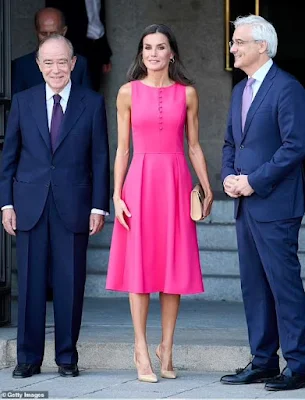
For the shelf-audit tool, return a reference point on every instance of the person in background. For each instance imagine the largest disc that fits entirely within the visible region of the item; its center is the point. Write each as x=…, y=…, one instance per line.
x=87, y=32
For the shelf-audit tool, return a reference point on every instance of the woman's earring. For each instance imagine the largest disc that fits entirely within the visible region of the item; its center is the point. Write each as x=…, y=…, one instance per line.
x=172, y=60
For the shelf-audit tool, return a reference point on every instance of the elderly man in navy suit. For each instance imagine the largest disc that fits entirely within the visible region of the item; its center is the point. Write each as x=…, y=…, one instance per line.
x=25, y=71
x=54, y=191
x=262, y=169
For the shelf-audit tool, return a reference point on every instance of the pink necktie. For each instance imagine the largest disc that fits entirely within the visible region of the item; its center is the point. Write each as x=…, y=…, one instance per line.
x=247, y=100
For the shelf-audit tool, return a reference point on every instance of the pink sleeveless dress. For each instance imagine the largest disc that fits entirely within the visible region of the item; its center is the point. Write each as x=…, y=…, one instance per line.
x=160, y=251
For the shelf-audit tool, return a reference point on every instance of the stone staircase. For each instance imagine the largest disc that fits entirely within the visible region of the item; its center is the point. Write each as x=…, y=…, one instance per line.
x=218, y=254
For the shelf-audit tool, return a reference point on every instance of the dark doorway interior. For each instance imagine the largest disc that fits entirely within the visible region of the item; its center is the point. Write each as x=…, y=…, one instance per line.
x=288, y=21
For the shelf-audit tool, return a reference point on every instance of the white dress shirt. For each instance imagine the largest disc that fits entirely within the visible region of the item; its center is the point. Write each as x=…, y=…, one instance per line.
x=64, y=94
x=95, y=29
x=260, y=75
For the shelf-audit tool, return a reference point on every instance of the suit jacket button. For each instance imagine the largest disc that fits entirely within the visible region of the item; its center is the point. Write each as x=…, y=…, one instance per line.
x=241, y=146
x=52, y=167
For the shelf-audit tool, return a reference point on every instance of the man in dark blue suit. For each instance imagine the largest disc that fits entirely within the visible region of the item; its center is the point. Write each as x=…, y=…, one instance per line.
x=54, y=190
x=262, y=169
x=25, y=71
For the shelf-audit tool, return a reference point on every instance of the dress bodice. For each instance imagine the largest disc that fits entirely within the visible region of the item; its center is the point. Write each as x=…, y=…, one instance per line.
x=158, y=118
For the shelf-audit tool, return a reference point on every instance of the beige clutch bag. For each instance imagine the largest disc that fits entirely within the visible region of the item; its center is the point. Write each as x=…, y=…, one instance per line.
x=197, y=197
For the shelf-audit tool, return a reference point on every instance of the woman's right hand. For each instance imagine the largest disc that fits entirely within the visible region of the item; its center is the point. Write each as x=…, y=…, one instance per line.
x=121, y=209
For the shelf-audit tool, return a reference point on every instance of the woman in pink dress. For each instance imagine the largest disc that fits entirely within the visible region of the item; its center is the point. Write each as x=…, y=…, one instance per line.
x=154, y=244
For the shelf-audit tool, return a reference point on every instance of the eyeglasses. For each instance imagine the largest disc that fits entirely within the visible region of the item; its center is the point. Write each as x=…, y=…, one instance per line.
x=240, y=43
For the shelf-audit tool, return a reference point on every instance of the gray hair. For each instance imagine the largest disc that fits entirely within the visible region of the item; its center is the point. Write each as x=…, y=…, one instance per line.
x=56, y=36
x=261, y=30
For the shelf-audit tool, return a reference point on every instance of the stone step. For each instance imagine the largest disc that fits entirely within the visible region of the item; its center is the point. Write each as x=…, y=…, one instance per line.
x=119, y=355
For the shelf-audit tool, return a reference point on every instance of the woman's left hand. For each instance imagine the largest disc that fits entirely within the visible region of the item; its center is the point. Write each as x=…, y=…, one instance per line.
x=207, y=204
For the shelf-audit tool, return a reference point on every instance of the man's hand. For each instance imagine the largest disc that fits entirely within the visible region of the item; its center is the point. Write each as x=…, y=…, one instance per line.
x=229, y=186
x=9, y=221
x=242, y=187
x=97, y=222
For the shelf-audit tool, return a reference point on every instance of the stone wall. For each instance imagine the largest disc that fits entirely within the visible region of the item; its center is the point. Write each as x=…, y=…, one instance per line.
x=23, y=33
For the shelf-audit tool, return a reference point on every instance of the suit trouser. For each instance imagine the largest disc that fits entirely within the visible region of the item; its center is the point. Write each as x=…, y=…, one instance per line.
x=50, y=244
x=272, y=289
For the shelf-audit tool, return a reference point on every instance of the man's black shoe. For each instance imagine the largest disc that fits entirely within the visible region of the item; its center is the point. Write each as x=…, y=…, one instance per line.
x=250, y=374
x=26, y=370
x=288, y=380
x=68, y=370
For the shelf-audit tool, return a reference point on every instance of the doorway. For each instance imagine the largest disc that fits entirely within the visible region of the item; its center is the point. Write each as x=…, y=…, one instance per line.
x=287, y=19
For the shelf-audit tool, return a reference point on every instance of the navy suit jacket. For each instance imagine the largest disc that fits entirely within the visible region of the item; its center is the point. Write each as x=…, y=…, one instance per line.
x=26, y=73
x=272, y=147
x=78, y=169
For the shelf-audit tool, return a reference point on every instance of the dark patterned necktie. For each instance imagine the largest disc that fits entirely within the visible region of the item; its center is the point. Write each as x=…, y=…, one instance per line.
x=57, y=117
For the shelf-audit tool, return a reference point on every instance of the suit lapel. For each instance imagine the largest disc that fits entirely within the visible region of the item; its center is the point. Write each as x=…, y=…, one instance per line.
x=260, y=95
x=239, y=107
x=39, y=112
x=75, y=108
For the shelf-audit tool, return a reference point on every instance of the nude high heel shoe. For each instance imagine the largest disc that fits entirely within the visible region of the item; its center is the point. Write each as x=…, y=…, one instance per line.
x=164, y=372
x=148, y=378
